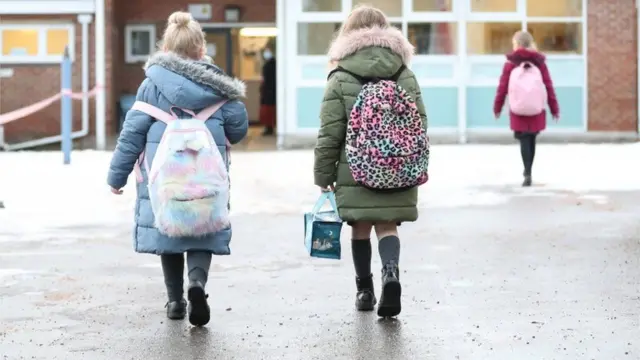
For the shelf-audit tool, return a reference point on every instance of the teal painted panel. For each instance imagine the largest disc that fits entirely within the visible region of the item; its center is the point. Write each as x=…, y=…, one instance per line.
x=480, y=108
x=433, y=71
x=567, y=72
x=485, y=72
x=442, y=106
x=571, y=101
x=308, y=104
x=315, y=71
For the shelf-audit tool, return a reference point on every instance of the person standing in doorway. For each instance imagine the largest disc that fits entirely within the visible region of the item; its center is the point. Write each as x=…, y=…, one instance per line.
x=526, y=80
x=268, y=89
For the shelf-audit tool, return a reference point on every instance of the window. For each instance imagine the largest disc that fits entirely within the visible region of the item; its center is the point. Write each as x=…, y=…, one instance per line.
x=558, y=8
x=434, y=38
x=315, y=38
x=321, y=5
x=491, y=38
x=558, y=38
x=20, y=42
x=551, y=35
x=139, y=42
x=392, y=8
x=28, y=44
x=57, y=40
x=497, y=5
x=433, y=5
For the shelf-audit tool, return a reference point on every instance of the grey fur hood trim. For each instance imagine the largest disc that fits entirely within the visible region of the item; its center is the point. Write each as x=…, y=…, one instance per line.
x=391, y=38
x=199, y=72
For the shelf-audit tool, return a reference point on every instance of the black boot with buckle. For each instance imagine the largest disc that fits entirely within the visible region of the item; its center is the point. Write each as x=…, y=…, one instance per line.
x=198, y=309
x=176, y=310
x=391, y=291
x=365, y=298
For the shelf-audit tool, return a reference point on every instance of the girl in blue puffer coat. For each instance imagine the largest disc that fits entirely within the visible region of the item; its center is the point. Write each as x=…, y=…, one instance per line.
x=179, y=76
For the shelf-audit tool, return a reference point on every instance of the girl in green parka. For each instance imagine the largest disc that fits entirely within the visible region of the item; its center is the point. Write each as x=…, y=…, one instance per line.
x=368, y=46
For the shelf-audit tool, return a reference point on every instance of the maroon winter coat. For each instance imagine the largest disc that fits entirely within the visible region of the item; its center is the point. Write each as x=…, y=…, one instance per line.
x=535, y=123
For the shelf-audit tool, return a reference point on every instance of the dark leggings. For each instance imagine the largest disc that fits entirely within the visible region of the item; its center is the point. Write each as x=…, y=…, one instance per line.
x=527, y=150
x=198, y=263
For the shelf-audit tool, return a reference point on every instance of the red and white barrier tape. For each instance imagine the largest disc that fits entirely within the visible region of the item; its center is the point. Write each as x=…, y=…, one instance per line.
x=42, y=104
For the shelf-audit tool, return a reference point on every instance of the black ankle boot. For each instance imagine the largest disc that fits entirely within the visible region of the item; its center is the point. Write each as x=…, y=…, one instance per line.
x=199, y=311
x=365, y=298
x=391, y=291
x=527, y=181
x=176, y=310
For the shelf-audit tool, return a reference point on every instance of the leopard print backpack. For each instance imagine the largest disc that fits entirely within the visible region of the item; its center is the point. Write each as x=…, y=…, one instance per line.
x=386, y=144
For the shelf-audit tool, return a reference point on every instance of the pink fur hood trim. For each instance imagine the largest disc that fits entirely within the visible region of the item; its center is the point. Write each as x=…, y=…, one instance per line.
x=391, y=38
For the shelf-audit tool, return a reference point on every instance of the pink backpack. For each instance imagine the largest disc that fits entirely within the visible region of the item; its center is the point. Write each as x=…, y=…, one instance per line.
x=187, y=179
x=527, y=93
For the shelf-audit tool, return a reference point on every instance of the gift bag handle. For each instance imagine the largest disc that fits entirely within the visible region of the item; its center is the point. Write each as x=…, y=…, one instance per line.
x=322, y=199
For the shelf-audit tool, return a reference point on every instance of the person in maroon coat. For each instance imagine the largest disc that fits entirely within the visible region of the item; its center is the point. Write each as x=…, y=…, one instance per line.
x=526, y=128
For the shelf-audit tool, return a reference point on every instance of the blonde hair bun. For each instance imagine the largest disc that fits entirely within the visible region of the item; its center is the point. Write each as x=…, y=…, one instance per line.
x=180, y=18
x=183, y=36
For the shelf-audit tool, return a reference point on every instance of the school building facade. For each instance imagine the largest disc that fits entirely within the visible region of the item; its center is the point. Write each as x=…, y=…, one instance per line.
x=591, y=46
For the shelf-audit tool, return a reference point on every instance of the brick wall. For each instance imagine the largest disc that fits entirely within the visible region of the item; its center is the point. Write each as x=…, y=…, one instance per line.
x=613, y=65
x=129, y=76
x=31, y=83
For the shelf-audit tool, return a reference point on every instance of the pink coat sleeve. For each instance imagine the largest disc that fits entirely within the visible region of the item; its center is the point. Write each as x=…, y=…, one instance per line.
x=551, y=93
x=503, y=87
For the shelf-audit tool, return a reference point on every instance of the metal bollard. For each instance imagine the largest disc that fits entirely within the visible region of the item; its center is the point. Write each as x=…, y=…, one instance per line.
x=66, y=106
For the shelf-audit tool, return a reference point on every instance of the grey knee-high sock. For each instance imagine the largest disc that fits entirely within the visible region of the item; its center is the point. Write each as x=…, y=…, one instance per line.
x=198, y=263
x=389, y=248
x=173, y=270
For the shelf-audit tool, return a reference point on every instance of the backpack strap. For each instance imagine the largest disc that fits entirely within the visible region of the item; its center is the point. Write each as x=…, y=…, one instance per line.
x=154, y=112
x=157, y=114
x=360, y=79
x=395, y=77
x=363, y=80
x=208, y=112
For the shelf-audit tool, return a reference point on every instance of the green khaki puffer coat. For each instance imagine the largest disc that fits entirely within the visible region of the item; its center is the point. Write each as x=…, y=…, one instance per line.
x=372, y=52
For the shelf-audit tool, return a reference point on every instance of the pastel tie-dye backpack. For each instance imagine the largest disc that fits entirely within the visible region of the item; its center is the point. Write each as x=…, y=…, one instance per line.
x=386, y=144
x=187, y=180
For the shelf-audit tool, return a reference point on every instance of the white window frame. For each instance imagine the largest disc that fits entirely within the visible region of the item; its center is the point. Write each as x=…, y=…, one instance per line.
x=520, y=16
x=42, y=57
x=129, y=57
x=462, y=61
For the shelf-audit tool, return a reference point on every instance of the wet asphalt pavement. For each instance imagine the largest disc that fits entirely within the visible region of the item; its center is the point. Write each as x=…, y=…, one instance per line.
x=542, y=277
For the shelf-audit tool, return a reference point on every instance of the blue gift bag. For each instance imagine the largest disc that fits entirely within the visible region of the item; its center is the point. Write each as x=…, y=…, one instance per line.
x=322, y=229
